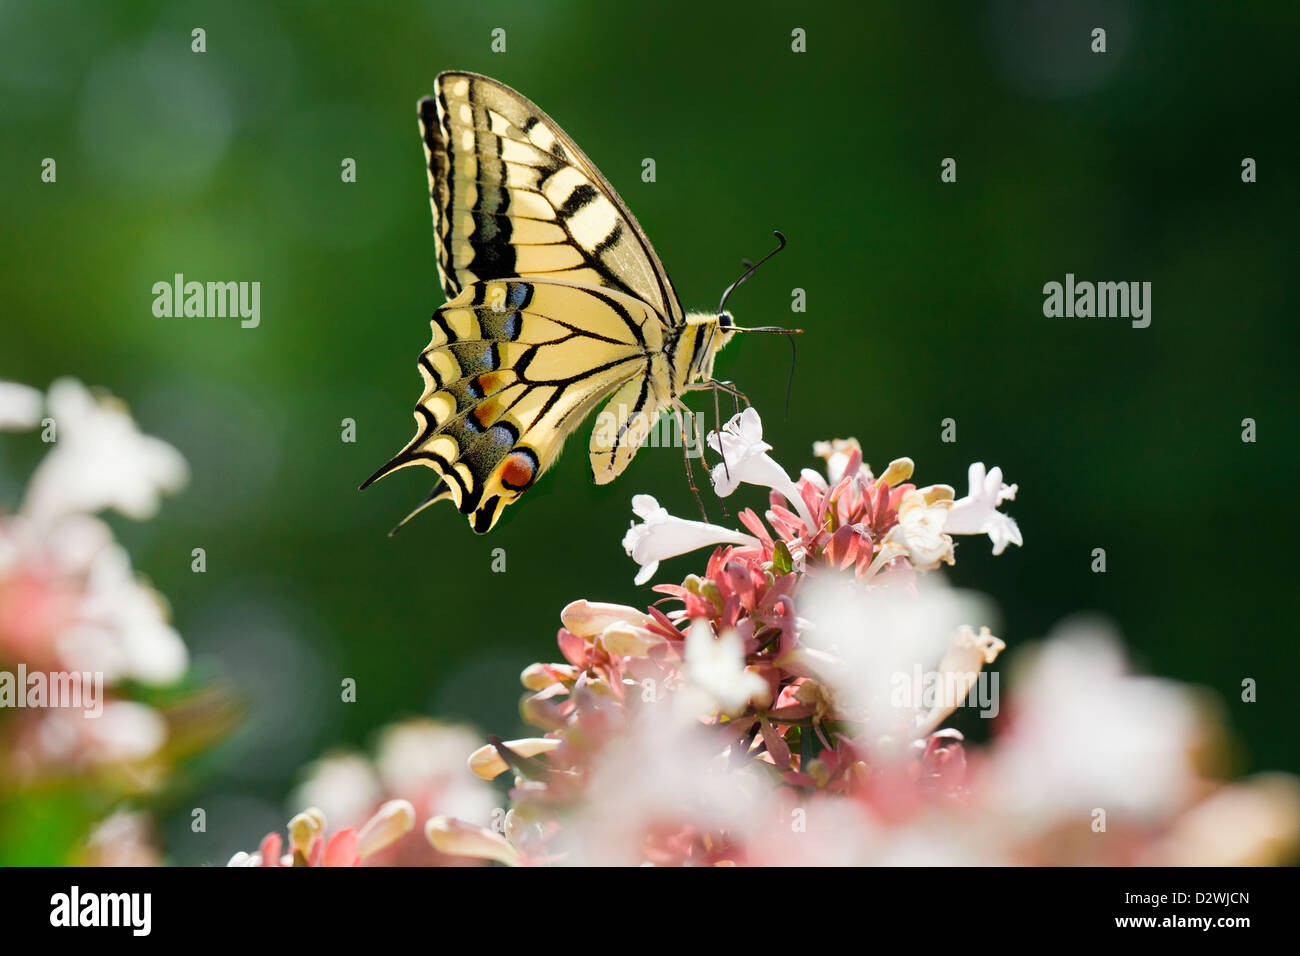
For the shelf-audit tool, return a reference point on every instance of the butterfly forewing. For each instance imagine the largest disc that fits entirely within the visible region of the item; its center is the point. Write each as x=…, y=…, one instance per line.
x=513, y=196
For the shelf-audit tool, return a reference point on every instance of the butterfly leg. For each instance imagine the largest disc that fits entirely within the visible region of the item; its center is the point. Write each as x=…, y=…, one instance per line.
x=717, y=422
x=736, y=394
x=678, y=408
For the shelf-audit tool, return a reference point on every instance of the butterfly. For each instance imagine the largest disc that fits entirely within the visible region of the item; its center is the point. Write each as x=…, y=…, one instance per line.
x=557, y=304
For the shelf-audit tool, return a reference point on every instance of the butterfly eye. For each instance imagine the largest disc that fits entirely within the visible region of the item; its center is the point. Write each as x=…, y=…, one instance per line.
x=725, y=320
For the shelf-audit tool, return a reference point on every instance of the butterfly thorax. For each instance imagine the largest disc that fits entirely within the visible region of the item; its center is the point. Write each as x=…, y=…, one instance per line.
x=700, y=339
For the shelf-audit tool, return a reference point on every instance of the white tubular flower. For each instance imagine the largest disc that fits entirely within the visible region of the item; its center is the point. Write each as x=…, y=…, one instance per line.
x=488, y=763
x=664, y=536
x=590, y=618
x=745, y=460
x=100, y=460
x=623, y=631
x=978, y=513
x=958, y=670
x=458, y=838
x=20, y=407
x=717, y=674
x=920, y=532
x=390, y=823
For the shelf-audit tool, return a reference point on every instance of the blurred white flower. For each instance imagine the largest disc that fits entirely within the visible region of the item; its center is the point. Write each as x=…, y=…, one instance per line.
x=124, y=732
x=419, y=763
x=863, y=642
x=978, y=513
x=660, y=777
x=20, y=406
x=1252, y=822
x=127, y=731
x=662, y=536
x=129, y=622
x=100, y=460
x=123, y=839
x=717, y=679
x=344, y=786
x=71, y=598
x=424, y=761
x=1085, y=733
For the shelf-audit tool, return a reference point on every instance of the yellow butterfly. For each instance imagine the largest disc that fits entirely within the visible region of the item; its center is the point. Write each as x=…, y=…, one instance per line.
x=556, y=303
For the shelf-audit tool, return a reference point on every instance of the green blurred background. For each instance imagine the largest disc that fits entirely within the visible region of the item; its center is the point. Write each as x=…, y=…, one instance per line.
x=924, y=303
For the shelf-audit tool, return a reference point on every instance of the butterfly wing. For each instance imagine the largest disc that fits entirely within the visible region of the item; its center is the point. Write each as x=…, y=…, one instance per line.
x=513, y=368
x=626, y=420
x=513, y=196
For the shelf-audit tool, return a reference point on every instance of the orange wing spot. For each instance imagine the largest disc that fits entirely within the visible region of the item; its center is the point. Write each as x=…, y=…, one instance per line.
x=489, y=382
x=519, y=469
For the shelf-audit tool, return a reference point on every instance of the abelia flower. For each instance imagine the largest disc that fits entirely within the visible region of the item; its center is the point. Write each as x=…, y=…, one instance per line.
x=662, y=536
x=746, y=717
x=308, y=845
x=978, y=513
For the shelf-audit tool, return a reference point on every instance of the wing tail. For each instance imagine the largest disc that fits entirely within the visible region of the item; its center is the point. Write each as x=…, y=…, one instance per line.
x=514, y=367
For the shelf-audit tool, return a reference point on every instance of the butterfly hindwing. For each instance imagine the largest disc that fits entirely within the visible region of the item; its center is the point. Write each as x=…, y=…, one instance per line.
x=513, y=196
x=513, y=368
x=626, y=420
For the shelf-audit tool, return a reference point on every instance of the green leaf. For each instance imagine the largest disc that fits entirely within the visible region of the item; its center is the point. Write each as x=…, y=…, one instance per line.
x=781, y=559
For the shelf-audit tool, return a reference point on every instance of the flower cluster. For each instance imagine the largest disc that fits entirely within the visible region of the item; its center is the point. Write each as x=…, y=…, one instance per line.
x=309, y=846
x=70, y=602
x=90, y=665
x=787, y=705
x=420, y=762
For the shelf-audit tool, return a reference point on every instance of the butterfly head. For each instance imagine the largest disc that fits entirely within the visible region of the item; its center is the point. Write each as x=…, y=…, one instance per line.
x=726, y=328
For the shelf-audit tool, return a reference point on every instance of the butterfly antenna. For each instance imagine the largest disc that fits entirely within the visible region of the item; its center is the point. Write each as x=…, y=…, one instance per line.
x=750, y=269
